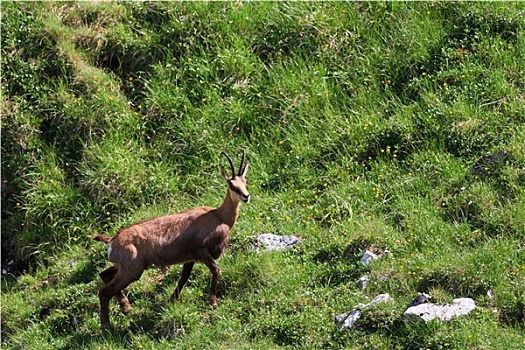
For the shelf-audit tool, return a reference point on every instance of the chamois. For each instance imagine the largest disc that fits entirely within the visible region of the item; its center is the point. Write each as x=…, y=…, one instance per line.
x=196, y=235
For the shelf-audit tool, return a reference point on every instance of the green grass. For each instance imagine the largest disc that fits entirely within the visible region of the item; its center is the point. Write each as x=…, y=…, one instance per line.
x=370, y=125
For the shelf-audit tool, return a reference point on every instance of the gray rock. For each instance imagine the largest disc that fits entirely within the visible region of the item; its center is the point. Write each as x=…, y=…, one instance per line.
x=427, y=312
x=383, y=278
x=350, y=320
x=269, y=241
x=420, y=299
x=368, y=257
x=363, y=281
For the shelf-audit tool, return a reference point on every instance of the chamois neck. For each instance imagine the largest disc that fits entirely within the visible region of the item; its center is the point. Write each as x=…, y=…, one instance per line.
x=229, y=210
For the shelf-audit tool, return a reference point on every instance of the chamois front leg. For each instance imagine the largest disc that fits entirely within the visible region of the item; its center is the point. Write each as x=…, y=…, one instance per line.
x=185, y=275
x=215, y=274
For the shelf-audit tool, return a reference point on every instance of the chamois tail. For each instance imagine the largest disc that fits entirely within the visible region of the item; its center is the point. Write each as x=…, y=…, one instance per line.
x=102, y=238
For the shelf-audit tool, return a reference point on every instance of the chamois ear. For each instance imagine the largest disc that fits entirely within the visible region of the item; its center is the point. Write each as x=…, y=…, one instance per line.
x=244, y=170
x=224, y=174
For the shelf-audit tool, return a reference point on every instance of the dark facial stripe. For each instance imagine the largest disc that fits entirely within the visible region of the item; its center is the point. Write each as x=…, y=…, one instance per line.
x=235, y=189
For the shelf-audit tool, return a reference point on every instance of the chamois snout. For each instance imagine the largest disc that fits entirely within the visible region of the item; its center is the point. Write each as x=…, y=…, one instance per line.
x=245, y=197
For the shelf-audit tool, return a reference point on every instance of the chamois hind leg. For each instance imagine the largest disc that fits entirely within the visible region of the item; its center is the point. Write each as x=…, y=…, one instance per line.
x=185, y=275
x=106, y=276
x=121, y=280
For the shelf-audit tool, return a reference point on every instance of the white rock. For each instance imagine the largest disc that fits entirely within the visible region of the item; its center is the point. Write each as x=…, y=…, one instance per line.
x=269, y=241
x=340, y=318
x=381, y=298
x=368, y=257
x=427, y=312
x=353, y=316
x=350, y=320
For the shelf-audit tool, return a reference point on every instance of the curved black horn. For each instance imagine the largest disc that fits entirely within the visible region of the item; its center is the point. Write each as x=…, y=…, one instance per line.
x=242, y=162
x=231, y=164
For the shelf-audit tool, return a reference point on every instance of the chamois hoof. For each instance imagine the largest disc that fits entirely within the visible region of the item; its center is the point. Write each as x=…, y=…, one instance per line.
x=105, y=326
x=125, y=308
x=213, y=301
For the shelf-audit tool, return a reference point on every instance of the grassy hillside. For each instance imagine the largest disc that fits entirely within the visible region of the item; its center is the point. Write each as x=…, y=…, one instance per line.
x=368, y=126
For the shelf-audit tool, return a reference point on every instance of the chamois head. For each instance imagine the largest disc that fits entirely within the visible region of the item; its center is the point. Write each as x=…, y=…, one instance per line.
x=236, y=182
